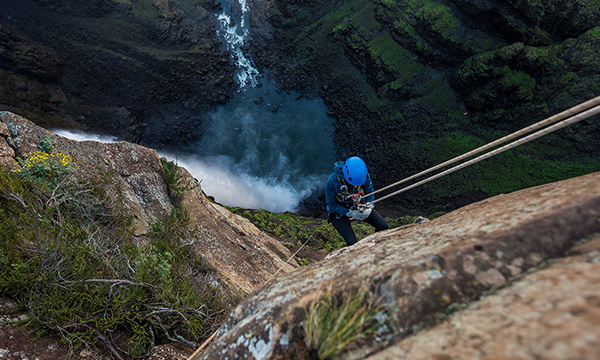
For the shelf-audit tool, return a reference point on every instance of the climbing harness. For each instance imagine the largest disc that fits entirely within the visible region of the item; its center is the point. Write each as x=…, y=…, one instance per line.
x=583, y=111
x=347, y=195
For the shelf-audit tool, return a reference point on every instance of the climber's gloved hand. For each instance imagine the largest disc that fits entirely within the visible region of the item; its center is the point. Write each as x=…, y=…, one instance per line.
x=353, y=214
x=360, y=214
x=365, y=211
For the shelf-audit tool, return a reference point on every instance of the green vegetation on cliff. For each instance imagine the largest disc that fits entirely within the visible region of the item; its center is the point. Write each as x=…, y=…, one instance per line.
x=293, y=230
x=68, y=255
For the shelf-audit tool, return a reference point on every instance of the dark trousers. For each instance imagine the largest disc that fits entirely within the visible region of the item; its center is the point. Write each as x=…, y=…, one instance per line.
x=342, y=225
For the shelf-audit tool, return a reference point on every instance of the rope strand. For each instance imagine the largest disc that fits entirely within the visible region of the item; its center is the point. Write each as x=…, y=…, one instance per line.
x=548, y=121
x=297, y=251
x=560, y=125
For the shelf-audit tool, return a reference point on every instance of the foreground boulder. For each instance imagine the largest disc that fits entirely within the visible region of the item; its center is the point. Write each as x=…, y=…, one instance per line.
x=550, y=314
x=419, y=270
x=243, y=256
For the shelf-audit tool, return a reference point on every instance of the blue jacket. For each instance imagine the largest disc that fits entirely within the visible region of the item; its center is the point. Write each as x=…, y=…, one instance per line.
x=338, y=201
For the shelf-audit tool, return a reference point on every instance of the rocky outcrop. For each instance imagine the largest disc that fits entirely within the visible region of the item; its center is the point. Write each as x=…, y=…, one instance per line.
x=93, y=8
x=28, y=75
x=549, y=314
x=244, y=257
x=7, y=153
x=421, y=272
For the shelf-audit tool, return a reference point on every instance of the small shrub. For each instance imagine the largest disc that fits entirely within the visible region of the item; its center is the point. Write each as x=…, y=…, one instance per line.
x=47, y=144
x=45, y=168
x=333, y=323
x=68, y=256
x=176, y=184
x=297, y=229
x=303, y=261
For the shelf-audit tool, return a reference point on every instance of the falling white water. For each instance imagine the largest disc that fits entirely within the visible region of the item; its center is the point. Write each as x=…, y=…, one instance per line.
x=234, y=29
x=221, y=178
x=83, y=136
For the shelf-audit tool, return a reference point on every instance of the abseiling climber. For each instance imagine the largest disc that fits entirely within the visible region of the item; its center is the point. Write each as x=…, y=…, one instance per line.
x=348, y=181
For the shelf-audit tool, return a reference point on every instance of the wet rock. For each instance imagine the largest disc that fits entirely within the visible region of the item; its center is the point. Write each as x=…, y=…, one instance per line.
x=259, y=101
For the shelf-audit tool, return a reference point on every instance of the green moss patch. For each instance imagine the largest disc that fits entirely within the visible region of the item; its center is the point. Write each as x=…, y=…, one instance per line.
x=292, y=229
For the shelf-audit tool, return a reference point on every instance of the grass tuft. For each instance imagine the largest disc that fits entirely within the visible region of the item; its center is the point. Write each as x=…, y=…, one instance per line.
x=333, y=323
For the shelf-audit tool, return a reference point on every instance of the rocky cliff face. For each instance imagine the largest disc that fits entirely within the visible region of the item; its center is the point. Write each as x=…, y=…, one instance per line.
x=147, y=71
x=244, y=257
x=522, y=243
x=550, y=314
x=29, y=75
x=414, y=82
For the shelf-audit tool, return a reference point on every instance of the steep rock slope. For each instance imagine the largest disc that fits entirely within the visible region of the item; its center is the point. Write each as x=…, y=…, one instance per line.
x=414, y=82
x=244, y=257
x=147, y=71
x=418, y=271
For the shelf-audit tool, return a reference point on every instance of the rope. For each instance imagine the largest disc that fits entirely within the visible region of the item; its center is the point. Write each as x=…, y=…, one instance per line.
x=560, y=125
x=281, y=268
x=297, y=251
x=551, y=120
x=199, y=350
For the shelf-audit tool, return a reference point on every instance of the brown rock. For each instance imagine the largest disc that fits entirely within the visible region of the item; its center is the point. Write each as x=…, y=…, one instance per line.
x=24, y=57
x=419, y=269
x=7, y=154
x=553, y=313
x=4, y=130
x=244, y=257
x=168, y=352
x=5, y=150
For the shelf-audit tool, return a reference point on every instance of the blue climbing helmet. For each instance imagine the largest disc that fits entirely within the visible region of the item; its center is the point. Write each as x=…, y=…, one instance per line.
x=355, y=171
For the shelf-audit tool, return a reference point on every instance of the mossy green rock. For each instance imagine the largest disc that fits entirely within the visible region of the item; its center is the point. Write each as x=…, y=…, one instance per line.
x=416, y=82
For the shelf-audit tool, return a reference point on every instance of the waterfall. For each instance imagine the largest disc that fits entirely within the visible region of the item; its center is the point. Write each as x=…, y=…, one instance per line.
x=266, y=148
x=233, y=28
